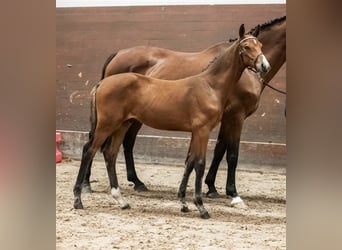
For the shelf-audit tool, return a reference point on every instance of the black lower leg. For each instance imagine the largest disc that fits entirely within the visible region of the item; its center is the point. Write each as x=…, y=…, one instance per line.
x=86, y=188
x=199, y=169
x=232, y=160
x=182, y=188
x=219, y=151
x=86, y=183
x=86, y=160
x=128, y=144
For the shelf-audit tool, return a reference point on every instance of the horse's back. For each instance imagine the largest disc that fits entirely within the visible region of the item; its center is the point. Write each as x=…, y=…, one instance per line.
x=136, y=59
x=159, y=62
x=118, y=84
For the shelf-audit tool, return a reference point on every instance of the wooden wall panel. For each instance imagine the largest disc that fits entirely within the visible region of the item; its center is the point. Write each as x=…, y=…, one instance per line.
x=86, y=37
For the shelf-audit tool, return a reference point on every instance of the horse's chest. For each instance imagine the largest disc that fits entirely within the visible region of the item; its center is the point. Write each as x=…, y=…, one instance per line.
x=246, y=101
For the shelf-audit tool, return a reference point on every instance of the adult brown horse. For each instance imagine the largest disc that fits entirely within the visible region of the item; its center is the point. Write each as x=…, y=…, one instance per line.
x=168, y=64
x=194, y=104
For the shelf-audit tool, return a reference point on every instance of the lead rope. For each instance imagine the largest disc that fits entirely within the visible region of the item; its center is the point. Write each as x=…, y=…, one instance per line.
x=265, y=83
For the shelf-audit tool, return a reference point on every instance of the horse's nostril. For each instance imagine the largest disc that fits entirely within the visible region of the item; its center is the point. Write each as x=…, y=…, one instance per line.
x=265, y=68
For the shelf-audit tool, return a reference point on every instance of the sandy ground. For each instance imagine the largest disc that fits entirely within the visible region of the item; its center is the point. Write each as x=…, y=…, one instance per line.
x=155, y=220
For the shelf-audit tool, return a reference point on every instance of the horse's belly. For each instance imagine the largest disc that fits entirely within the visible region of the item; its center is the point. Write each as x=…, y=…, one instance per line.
x=164, y=120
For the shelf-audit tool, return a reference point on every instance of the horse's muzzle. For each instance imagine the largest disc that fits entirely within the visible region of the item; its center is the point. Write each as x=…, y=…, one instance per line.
x=262, y=65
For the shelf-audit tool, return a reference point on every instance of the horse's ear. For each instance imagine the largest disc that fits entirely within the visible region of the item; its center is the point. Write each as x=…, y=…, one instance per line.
x=256, y=31
x=242, y=31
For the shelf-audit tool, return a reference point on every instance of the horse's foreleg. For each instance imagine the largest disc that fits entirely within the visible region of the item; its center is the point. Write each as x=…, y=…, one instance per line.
x=219, y=151
x=195, y=159
x=199, y=169
x=232, y=160
x=188, y=154
x=182, y=188
x=110, y=154
x=199, y=144
x=128, y=144
x=93, y=119
x=233, y=143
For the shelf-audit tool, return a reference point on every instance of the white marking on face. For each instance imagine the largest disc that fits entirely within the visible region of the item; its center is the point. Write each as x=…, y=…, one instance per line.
x=254, y=41
x=262, y=65
x=265, y=63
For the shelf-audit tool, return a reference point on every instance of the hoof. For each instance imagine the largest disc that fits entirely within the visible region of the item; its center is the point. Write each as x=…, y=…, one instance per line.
x=78, y=205
x=238, y=203
x=86, y=189
x=185, y=209
x=205, y=215
x=140, y=188
x=213, y=195
x=127, y=206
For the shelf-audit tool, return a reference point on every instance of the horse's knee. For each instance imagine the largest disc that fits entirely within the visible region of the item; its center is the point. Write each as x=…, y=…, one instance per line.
x=200, y=166
x=232, y=160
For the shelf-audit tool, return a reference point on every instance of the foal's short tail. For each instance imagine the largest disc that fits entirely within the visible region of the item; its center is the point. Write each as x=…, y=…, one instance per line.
x=109, y=59
x=93, y=118
x=93, y=113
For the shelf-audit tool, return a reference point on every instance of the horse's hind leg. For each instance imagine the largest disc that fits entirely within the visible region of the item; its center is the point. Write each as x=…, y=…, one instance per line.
x=128, y=144
x=86, y=188
x=110, y=154
x=93, y=119
x=88, y=153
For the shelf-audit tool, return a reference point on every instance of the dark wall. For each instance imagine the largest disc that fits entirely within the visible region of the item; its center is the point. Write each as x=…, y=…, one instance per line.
x=86, y=37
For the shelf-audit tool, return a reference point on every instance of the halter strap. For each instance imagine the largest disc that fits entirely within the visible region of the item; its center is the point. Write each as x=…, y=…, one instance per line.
x=246, y=38
x=241, y=51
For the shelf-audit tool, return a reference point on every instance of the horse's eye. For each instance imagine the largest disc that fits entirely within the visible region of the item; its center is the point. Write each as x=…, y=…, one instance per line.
x=246, y=47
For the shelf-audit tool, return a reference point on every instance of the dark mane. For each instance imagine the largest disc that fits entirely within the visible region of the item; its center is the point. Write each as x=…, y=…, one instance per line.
x=264, y=26
x=210, y=63
x=269, y=24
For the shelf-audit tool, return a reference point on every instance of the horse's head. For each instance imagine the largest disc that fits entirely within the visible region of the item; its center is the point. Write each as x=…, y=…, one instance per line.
x=250, y=51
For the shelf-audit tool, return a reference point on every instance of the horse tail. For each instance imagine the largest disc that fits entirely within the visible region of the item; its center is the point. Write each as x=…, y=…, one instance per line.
x=93, y=112
x=93, y=117
x=109, y=59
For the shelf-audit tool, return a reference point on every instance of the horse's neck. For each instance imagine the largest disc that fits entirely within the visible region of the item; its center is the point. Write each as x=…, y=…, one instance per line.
x=216, y=49
x=274, y=48
x=225, y=71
